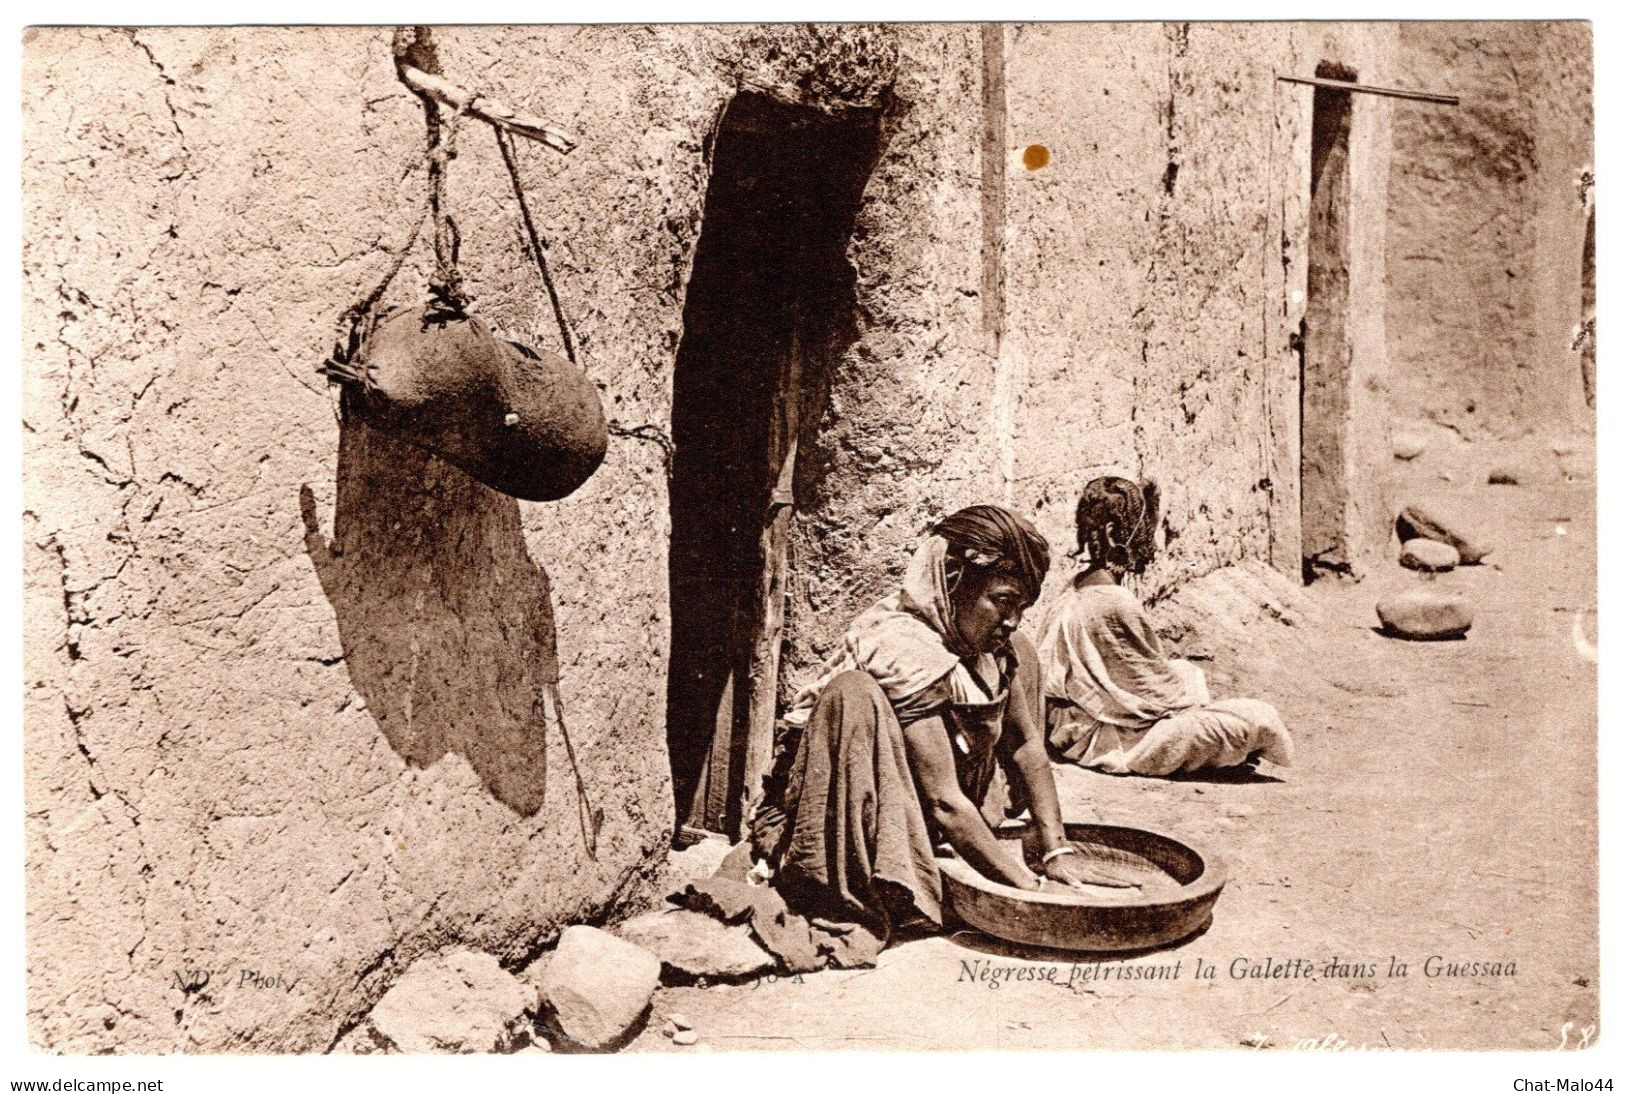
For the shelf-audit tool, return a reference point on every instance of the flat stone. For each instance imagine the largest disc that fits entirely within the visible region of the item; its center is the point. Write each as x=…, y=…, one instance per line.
x=457, y=1001
x=1429, y=556
x=690, y=944
x=597, y=986
x=685, y=1037
x=1442, y=526
x=1425, y=614
x=679, y=1021
x=1408, y=446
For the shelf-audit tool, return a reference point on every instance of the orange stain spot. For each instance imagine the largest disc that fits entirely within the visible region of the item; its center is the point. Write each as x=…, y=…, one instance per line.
x=1035, y=157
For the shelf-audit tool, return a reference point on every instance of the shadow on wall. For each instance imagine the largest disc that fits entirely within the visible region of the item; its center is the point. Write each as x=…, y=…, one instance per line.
x=445, y=620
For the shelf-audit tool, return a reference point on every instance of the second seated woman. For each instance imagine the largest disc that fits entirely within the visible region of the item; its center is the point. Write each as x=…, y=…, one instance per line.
x=1116, y=701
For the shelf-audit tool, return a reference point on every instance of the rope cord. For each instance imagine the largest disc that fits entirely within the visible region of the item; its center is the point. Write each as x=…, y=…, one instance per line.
x=537, y=249
x=357, y=323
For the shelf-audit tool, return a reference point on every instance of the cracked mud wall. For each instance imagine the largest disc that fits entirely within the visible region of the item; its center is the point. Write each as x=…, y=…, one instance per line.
x=1487, y=229
x=291, y=695
x=905, y=435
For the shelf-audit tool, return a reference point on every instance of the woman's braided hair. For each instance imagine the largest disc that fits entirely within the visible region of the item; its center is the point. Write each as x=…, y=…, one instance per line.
x=1117, y=523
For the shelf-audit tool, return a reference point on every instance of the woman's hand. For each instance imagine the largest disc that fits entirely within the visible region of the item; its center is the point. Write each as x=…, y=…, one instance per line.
x=1069, y=870
x=1031, y=882
x=1077, y=870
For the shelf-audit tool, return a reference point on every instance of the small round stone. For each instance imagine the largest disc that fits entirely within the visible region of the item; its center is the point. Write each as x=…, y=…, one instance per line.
x=1429, y=556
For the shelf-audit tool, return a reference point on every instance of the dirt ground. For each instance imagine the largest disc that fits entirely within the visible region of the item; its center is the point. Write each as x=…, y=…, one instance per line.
x=1443, y=804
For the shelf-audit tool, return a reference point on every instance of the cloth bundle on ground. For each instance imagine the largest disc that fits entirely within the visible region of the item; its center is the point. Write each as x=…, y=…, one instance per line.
x=800, y=943
x=840, y=832
x=1119, y=704
x=526, y=422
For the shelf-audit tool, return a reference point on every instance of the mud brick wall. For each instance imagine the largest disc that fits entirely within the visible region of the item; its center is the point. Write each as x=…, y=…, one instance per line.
x=1487, y=227
x=1156, y=270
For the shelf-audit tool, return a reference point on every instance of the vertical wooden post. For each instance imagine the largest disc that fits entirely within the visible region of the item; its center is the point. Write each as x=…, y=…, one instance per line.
x=1324, y=395
x=760, y=708
x=994, y=122
x=710, y=808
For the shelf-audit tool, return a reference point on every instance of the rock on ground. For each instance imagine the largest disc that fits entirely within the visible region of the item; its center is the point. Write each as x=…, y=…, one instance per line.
x=690, y=945
x=457, y=1001
x=1429, y=556
x=1504, y=476
x=698, y=860
x=1424, y=614
x=1408, y=446
x=1438, y=524
x=597, y=986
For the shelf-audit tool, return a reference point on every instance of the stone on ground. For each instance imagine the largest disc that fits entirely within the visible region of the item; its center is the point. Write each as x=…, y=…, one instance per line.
x=1425, y=614
x=1429, y=556
x=597, y=986
x=1408, y=446
x=685, y=1037
x=457, y=1001
x=699, y=859
x=691, y=945
x=1504, y=476
x=1442, y=526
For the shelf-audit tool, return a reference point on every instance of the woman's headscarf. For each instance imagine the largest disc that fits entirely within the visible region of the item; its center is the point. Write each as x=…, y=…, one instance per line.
x=997, y=539
x=906, y=641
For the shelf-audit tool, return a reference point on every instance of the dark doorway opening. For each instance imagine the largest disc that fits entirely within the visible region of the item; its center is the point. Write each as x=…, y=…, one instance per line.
x=1325, y=352
x=770, y=308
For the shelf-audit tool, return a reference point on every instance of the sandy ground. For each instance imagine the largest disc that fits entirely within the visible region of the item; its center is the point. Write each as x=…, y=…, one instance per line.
x=1443, y=804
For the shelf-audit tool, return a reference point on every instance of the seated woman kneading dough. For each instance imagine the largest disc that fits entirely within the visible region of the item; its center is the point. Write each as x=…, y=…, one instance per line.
x=1116, y=701
x=900, y=739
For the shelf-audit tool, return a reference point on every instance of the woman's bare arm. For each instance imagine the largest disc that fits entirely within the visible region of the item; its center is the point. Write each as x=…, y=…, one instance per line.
x=1024, y=737
x=931, y=757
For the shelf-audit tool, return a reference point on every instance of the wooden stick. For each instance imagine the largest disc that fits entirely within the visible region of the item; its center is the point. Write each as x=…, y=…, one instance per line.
x=1369, y=89
x=487, y=110
x=773, y=543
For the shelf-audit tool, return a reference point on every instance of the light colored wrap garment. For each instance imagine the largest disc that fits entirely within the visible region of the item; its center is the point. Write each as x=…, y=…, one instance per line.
x=901, y=642
x=1119, y=704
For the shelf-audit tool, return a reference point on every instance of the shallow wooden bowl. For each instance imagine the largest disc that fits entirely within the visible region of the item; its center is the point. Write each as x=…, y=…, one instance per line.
x=1189, y=881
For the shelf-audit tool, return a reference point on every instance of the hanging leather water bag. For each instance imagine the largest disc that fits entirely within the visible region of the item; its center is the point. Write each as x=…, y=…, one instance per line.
x=523, y=421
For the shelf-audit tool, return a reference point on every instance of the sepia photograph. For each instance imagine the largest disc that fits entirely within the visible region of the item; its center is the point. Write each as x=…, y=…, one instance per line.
x=808, y=537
